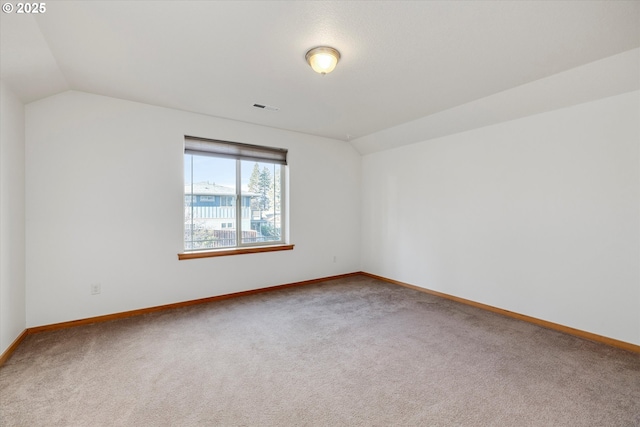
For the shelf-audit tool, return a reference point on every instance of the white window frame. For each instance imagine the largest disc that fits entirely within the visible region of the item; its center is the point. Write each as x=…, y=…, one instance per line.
x=242, y=152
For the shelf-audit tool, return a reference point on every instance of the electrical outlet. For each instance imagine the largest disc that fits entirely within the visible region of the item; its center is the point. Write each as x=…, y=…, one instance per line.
x=95, y=288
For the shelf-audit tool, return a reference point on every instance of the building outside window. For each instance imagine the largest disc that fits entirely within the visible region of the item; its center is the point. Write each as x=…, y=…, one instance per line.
x=234, y=195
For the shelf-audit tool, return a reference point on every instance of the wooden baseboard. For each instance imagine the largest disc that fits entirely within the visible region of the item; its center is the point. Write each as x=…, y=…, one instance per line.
x=545, y=324
x=125, y=314
x=14, y=345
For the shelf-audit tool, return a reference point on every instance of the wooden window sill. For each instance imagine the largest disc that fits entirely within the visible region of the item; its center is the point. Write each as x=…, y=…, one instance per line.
x=233, y=251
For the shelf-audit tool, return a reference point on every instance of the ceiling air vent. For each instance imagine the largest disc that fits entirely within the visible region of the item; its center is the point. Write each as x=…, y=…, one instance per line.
x=266, y=107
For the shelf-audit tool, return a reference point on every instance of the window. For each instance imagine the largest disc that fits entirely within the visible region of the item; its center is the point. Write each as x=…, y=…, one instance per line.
x=234, y=195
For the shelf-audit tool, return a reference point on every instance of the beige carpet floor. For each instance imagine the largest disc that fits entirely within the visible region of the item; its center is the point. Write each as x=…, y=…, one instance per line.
x=347, y=352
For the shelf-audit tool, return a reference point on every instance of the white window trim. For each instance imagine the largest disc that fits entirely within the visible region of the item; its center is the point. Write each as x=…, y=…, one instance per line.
x=256, y=153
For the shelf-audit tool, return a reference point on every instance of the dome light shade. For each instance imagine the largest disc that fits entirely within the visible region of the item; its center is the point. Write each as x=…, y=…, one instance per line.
x=323, y=59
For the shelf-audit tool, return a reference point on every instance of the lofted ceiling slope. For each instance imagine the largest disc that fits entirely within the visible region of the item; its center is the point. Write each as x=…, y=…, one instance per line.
x=401, y=61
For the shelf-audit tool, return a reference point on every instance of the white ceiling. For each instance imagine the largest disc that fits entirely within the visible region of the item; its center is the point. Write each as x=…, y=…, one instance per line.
x=401, y=61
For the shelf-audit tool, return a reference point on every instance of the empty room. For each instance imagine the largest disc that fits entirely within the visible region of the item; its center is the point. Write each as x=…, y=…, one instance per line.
x=320, y=213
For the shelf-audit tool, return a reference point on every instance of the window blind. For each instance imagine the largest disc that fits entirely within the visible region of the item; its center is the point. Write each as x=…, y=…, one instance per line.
x=234, y=150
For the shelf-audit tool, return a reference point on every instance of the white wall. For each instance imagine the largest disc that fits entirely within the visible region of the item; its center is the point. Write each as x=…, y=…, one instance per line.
x=539, y=215
x=104, y=194
x=12, y=226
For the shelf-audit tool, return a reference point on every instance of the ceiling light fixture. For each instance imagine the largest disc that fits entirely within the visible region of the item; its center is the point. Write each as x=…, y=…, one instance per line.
x=323, y=59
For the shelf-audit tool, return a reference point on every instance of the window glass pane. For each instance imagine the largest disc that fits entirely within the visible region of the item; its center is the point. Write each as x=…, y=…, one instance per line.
x=261, y=202
x=188, y=202
x=209, y=224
